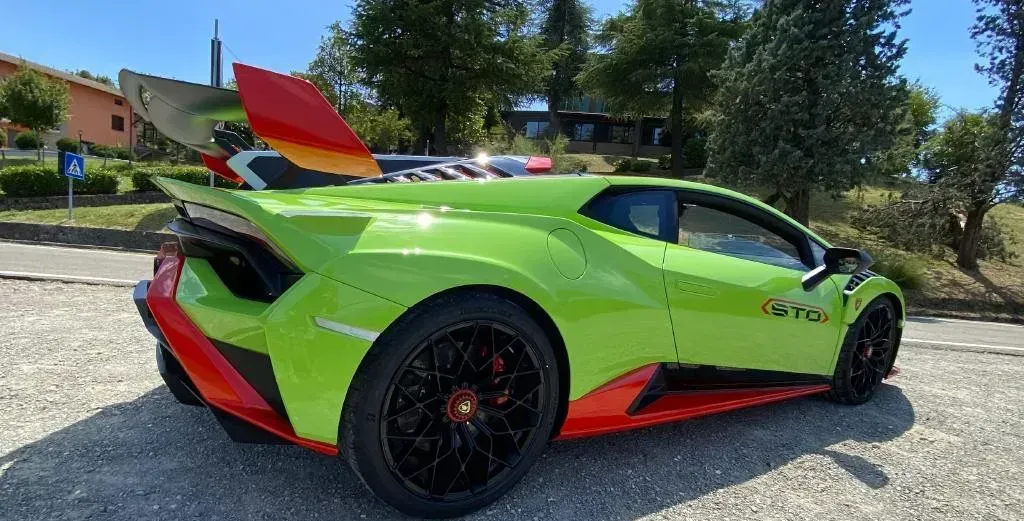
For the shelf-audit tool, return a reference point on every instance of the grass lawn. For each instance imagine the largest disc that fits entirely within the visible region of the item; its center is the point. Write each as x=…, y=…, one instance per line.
x=143, y=217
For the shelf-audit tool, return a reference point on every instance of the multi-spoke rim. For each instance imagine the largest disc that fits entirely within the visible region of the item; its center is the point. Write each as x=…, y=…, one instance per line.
x=462, y=409
x=871, y=354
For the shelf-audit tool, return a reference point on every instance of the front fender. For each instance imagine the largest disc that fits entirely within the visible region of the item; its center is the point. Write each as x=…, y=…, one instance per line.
x=856, y=300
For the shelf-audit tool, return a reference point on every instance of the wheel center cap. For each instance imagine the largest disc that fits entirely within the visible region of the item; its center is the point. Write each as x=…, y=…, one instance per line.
x=461, y=406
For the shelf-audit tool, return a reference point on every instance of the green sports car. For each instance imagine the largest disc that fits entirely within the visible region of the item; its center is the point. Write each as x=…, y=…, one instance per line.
x=436, y=322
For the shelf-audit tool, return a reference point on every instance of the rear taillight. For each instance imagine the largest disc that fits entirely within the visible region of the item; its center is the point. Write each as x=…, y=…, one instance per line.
x=167, y=249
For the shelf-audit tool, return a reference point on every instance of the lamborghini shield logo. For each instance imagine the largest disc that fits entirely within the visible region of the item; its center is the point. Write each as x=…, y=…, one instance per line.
x=794, y=310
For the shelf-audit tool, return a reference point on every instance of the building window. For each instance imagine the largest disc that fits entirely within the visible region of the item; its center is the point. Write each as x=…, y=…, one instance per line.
x=117, y=123
x=620, y=134
x=656, y=135
x=536, y=129
x=118, y=102
x=583, y=132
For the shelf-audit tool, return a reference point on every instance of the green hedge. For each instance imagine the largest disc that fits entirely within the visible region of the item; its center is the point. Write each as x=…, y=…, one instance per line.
x=142, y=177
x=41, y=180
x=99, y=150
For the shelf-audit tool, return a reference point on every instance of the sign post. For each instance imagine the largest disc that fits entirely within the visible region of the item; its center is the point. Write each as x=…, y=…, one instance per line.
x=73, y=167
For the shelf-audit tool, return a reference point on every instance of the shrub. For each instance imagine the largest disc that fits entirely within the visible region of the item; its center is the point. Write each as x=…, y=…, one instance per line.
x=28, y=140
x=904, y=271
x=3, y=138
x=996, y=241
x=42, y=180
x=142, y=177
x=66, y=144
x=665, y=162
x=628, y=164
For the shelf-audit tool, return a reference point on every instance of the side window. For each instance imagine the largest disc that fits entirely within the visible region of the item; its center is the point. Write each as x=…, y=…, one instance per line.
x=725, y=233
x=650, y=213
x=818, y=253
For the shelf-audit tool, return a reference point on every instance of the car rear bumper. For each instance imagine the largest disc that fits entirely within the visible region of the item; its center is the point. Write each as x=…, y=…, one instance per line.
x=187, y=358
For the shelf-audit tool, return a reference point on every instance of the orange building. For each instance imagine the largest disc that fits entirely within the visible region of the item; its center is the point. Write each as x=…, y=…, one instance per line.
x=98, y=111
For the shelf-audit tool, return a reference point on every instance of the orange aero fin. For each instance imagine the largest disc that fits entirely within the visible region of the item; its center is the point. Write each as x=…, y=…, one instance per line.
x=293, y=117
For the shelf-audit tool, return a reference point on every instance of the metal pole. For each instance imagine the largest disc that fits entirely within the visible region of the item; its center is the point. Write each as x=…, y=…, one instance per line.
x=71, y=184
x=215, y=65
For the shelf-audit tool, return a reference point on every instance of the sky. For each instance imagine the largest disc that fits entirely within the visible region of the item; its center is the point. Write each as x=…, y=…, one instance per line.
x=173, y=38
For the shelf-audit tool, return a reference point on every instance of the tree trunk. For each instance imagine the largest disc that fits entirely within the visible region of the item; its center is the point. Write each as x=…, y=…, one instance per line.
x=798, y=206
x=440, y=141
x=637, y=129
x=676, y=124
x=967, y=253
x=554, y=121
x=772, y=199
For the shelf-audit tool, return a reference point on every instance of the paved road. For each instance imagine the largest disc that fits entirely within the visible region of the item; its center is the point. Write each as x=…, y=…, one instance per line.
x=26, y=259
x=88, y=431
x=130, y=267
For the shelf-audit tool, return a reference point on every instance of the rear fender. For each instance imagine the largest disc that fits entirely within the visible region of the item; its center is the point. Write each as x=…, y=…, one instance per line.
x=410, y=257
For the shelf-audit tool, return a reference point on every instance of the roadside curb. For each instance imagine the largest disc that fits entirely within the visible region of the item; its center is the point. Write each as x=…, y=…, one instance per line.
x=61, y=201
x=44, y=277
x=84, y=236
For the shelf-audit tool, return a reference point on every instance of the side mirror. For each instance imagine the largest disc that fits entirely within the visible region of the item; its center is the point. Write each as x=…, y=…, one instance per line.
x=838, y=261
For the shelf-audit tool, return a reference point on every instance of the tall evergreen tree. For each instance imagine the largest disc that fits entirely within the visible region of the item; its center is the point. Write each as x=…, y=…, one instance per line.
x=444, y=62
x=657, y=58
x=566, y=29
x=999, y=33
x=809, y=96
x=921, y=113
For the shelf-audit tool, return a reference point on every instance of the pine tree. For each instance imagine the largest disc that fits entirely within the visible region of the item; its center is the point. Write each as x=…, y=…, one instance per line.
x=566, y=30
x=808, y=96
x=658, y=57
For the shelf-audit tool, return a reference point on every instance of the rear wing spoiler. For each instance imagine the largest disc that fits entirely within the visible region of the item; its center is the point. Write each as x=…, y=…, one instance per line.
x=314, y=145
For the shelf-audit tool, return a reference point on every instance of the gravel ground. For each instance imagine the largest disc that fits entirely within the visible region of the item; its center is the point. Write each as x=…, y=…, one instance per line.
x=87, y=431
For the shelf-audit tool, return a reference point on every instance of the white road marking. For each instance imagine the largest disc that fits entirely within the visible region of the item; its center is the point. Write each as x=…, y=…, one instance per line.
x=75, y=248
x=925, y=320
x=961, y=344
x=66, y=278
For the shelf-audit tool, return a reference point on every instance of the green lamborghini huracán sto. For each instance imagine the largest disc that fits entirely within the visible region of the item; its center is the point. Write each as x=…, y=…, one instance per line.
x=437, y=321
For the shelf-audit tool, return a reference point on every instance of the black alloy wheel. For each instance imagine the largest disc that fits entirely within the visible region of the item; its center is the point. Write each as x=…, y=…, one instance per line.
x=866, y=355
x=462, y=415
x=461, y=409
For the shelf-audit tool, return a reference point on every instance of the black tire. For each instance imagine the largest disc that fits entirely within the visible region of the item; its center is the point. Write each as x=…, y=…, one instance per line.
x=512, y=417
x=866, y=355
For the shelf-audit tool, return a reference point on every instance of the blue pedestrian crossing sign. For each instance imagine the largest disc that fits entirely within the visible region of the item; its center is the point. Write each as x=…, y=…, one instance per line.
x=73, y=166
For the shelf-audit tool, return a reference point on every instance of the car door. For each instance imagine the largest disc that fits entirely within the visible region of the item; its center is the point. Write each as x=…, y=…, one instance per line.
x=733, y=280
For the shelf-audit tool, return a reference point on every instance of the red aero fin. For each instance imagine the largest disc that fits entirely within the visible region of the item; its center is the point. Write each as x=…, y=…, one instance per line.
x=538, y=164
x=220, y=167
x=293, y=117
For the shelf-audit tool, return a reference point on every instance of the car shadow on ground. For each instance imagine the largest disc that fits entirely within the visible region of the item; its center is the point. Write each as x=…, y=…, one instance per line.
x=155, y=459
